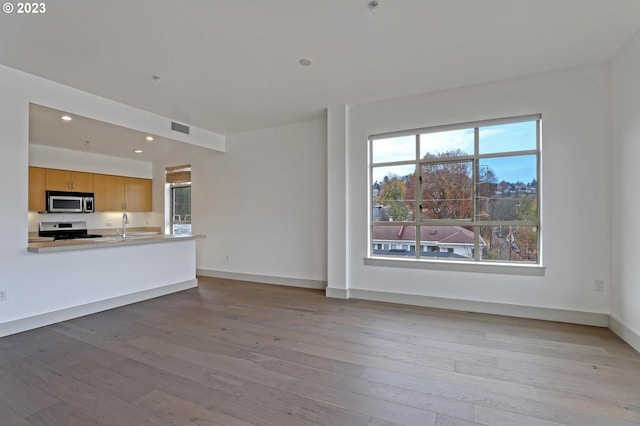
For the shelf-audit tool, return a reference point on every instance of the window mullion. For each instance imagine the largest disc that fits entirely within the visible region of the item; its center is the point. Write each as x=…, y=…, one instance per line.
x=418, y=203
x=476, y=174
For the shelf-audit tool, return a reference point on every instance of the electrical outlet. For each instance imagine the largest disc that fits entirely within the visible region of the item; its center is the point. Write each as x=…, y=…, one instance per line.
x=598, y=285
x=3, y=295
x=228, y=257
x=109, y=224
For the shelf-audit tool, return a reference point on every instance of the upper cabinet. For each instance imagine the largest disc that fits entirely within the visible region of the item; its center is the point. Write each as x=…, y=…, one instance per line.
x=119, y=193
x=137, y=194
x=111, y=193
x=37, y=188
x=65, y=180
x=108, y=193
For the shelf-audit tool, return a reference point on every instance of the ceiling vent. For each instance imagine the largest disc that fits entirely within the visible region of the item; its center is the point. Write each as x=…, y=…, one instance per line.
x=179, y=128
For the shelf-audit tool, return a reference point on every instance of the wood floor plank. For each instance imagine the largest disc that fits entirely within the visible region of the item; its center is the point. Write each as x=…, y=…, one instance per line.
x=567, y=383
x=84, y=398
x=180, y=411
x=237, y=395
x=588, y=372
x=238, y=353
x=443, y=420
x=109, y=381
x=368, y=388
x=606, y=411
x=586, y=411
x=493, y=417
x=22, y=396
x=533, y=349
x=485, y=383
x=10, y=416
x=299, y=406
x=61, y=413
x=248, y=370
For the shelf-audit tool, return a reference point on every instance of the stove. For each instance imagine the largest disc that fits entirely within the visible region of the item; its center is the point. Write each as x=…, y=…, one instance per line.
x=65, y=230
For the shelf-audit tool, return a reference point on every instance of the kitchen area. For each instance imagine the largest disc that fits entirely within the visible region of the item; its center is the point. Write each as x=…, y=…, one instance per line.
x=126, y=252
x=62, y=201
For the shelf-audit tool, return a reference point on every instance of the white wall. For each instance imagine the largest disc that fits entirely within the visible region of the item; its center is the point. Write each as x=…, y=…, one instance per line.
x=57, y=158
x=575, y=185
x=625, y=196
x=38, y=284
x=337, y=195
x=265, y=204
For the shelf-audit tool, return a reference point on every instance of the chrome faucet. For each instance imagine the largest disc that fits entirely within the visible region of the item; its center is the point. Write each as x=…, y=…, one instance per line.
x=125, y=222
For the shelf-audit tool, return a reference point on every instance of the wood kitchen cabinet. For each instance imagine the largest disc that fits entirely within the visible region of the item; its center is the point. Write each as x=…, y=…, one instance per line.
x=66, y=180
x=137, y=194
x=108, y=193
x=119, y=193
x=37, y=189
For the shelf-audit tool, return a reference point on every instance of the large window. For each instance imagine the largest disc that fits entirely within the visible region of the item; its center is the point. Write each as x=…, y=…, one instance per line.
x=466, y=192
x=179, y=183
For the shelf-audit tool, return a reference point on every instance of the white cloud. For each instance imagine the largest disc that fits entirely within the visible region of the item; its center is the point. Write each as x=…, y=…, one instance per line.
x=435, y=143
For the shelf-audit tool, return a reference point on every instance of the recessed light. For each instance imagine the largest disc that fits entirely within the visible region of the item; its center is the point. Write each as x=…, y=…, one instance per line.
x=138, y=151
x=305, y=62
x=149, y=138
x=66, y=118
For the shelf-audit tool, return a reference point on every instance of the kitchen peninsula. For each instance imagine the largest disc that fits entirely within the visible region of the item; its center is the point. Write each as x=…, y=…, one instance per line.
x=107, y=242
x=92, y=270
x=82, y=277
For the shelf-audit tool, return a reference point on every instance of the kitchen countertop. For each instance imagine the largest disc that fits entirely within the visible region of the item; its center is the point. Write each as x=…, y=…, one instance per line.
x=34, y=236
x=107, y=241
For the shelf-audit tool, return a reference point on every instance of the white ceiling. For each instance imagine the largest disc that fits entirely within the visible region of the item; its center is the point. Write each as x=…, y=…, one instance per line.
x=232, y=65
x=97, y=137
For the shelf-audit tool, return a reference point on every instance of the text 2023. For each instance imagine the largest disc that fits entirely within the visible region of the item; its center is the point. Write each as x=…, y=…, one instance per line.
x=31, y=7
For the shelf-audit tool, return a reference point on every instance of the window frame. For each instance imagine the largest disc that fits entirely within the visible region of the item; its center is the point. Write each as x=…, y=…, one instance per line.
x=476, y=263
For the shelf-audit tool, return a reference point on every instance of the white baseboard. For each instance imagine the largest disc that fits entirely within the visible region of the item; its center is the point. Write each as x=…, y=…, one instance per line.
x=264, y=279
x=624, y=332
x=24, y=324
x=337, y=293
x=548, y=314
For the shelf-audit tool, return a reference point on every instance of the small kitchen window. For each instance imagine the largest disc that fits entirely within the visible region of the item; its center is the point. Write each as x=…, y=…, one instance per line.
x=179, y=182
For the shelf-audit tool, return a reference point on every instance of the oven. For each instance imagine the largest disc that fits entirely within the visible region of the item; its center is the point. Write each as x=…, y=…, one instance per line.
x=65, y=230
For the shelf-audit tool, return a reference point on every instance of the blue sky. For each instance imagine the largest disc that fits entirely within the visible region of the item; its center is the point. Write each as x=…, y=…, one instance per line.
x=500, y=138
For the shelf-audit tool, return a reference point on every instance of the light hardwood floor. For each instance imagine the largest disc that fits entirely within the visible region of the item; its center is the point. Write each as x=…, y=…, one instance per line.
x=237, y=353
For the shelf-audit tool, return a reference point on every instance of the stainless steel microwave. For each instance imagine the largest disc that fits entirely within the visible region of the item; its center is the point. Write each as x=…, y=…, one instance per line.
x=69, y=202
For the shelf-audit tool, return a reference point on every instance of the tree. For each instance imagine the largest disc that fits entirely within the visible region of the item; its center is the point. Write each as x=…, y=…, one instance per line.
x=447, y=187
x=391, y=196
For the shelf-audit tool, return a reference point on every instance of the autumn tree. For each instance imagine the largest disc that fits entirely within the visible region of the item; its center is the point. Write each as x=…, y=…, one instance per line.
x=392, y=197
x=447, y=187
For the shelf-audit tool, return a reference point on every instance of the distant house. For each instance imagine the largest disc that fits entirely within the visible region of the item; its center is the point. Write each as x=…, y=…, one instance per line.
x=435, y=241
